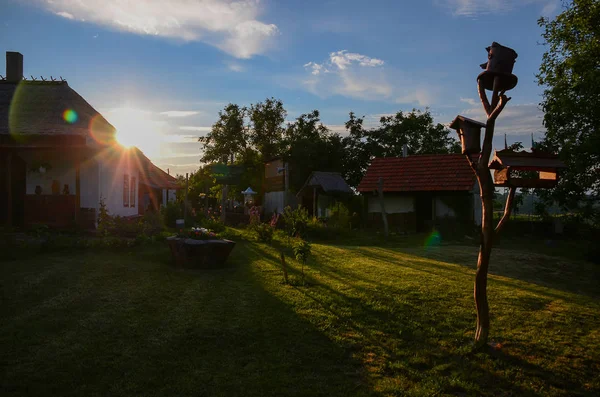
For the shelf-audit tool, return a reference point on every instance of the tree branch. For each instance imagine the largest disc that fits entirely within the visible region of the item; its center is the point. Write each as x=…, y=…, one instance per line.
x=501, y=104
x=483, y=97
x=507, y=210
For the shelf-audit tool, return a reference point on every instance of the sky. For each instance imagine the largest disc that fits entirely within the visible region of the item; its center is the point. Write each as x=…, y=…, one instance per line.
x=161, y=70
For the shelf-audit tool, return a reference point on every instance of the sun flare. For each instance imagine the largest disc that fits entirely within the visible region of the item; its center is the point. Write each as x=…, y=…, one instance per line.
x=136, y=128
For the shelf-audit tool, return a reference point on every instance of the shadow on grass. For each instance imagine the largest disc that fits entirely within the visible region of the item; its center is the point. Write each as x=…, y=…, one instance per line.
x=130, y=325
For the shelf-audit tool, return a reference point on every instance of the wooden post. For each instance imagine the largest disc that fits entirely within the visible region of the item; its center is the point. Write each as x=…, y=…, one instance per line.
x=383, y=213
x=486, y=188
x=9, y=189
x=286, y=180
x=185, y=198
x=77, y=187
x=315, y=202
x=223, y=202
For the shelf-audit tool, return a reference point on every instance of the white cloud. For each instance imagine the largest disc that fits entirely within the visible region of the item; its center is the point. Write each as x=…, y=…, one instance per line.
x=515, y=119
x=230, y=25
x=360, y=76
x=470, y=101
x=473, y=8
x=65, y=14
x=179, y=113
x=235, y=67
x=195, y=128
x=342, y=59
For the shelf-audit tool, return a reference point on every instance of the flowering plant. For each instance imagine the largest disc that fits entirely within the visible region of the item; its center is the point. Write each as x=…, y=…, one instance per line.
x=198, y=233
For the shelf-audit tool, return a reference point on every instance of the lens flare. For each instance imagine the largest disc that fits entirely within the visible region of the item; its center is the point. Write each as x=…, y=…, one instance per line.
x=433, y=240
x=70, y=116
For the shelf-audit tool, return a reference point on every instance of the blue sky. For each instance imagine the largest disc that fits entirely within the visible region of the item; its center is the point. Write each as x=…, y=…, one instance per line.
x=161, y=70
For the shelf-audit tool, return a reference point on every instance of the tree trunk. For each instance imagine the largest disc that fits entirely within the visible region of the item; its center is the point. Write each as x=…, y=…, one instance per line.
x=485, y=249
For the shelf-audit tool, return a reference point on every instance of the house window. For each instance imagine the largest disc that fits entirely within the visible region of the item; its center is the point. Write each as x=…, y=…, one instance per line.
x=132, y=189
x=125, y=190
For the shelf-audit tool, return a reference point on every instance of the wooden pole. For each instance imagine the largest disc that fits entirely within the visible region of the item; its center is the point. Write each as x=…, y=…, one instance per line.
x=486, y=188
x=286, y=185
x=185, y=198
x=223, y=202
x=77, y=186
x=9, y=189
x=383, y=213
x=315, y=202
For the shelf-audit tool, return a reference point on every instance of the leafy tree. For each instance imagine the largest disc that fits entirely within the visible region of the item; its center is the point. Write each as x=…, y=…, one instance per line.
x=309, y=146
x=228, y=137
x=415, y=129
x=267, y=127
x=570, y=73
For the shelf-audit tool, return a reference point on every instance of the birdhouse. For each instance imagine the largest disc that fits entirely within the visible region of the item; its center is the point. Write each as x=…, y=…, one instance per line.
x=469, y=132
x=501, y=61
x=249, y=195
x=524, y=169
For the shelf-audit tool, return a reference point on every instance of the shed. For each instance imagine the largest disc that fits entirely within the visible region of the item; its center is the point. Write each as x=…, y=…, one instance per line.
x=321, y=190
x=422, y=190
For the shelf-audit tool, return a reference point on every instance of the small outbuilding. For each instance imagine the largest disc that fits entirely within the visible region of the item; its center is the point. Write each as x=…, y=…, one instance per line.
x=422, y=191
x=321, y=191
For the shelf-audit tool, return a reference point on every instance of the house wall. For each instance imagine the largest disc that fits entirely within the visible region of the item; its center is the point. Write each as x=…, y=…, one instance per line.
x=273, y=202
x=111, y=175
x=88, y=181
x=61, y=170
x=394, y=204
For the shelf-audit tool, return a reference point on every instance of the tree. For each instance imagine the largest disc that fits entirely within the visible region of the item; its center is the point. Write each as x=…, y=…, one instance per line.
x=267, y=127
x=309, y=146
x=570, y=72
x=228, y=137
x=414, y=129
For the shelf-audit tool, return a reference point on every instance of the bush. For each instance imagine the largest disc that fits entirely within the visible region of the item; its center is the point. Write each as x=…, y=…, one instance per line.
x=170, y=213
x=340, y=216
x=214, y=224
x=264, y=232
x=295, y=221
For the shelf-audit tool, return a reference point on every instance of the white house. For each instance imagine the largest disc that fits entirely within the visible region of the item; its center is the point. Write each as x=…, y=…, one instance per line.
x=59, y=158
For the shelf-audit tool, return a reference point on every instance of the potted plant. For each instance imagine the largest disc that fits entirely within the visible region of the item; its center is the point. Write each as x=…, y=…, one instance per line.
x=199, y=248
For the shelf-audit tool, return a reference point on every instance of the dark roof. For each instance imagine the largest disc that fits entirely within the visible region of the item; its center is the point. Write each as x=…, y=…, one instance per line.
x=456, y=125
x=329, y=182
x=37, y=108
x=429, y=172
x=532, y=161
x=151, y=175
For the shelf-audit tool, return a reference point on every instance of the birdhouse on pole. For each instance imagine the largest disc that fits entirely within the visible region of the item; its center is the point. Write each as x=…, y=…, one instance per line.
x=469, y=132
x=501, y=61
x=509, y=167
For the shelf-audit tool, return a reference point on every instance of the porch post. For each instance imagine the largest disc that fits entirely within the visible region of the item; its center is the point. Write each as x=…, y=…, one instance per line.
x=315, y=202
x=9, y=189
x=77, y=188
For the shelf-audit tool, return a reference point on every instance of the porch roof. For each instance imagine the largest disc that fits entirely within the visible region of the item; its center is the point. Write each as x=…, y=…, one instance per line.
x=153, y=176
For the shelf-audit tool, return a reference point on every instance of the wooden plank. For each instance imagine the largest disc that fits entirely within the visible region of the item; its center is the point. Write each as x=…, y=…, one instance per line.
x=501, y=176
x=549, y=176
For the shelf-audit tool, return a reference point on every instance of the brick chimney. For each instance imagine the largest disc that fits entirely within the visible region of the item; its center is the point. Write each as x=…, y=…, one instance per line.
x=14, y=66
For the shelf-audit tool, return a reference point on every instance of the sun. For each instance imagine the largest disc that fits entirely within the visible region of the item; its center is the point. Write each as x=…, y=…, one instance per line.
x=136, y=128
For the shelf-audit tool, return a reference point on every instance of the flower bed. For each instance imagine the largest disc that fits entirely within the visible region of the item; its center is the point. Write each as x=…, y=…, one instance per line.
x=199, y=248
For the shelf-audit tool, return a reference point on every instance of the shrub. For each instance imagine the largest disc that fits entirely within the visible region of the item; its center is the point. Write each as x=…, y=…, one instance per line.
x=340, y=216
x=302, y=251
x=296, y=221
x=264, y=232
x=214, y=224
x=170, y=213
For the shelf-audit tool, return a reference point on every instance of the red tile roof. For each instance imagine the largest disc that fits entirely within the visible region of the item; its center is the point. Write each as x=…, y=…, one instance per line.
x=430, y=172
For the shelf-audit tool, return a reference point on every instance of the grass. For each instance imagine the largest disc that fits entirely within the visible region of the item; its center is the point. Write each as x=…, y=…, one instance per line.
x=391, y=319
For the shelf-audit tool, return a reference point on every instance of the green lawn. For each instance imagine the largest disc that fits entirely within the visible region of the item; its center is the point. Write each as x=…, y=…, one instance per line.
x=372, y=320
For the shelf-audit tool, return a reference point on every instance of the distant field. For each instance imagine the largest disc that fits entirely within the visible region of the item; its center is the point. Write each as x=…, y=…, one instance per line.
x=373, y=320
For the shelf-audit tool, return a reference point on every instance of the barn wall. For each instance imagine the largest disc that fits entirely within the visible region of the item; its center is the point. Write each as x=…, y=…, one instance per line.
x=394, y=204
